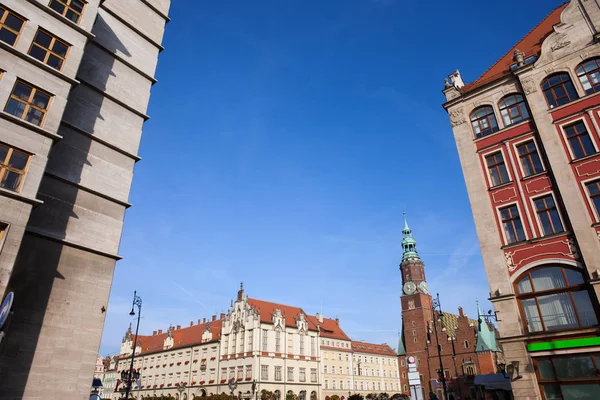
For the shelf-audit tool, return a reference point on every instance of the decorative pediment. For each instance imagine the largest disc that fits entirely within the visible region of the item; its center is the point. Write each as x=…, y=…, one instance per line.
x=301, y=324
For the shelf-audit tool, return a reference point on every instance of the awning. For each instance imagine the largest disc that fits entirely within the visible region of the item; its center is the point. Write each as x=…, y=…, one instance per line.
x=493, y=382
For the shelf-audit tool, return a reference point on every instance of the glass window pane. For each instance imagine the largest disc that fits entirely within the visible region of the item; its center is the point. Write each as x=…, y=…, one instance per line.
x=532, y=316
x=22, y=91
x=43, y=39
x=56, y=6
x=3, y=153
x=15, y=108
x=574, y=367
x=581, y=392
x=35, y=116
x=548, y=278
x=72, y=16
x=571, y=91
x=60, y=48
x=573, y=277
x=41, y=99
x=77, y=5
x=520, y=231
x=557, y=311
x=37, y=53
x=11, y=181
x=18, y=160
x=585, y=309
x=503, y=174
x=7, y=36
x=545, y=369
x=556, y=223
x=524, y=286
x=13, y=22
x=54, y=61
x=552, y=392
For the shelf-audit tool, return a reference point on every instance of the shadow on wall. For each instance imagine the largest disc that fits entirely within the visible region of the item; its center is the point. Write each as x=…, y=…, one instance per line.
x=46, y=267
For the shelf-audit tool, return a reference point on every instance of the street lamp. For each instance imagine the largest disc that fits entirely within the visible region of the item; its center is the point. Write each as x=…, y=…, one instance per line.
x=181, y=389
x=131, y=376
x=436, y=304
x=232, y=386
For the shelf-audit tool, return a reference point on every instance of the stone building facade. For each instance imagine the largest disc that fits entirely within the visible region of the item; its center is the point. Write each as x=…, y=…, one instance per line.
x=260, y=346
x=75, y=80
x=468, y=347
x=528, y=133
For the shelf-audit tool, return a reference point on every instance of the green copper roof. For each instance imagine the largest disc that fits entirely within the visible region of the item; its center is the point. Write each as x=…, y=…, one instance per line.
x=486, y=337
x=401, y=350
x=409, y=244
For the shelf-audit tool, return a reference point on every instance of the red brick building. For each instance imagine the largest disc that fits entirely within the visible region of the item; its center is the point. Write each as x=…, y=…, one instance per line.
x=528, y=137
x=467, y=347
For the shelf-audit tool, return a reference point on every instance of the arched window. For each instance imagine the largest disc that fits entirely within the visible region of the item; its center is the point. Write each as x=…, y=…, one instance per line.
x=513, y=109
x=483, y=121
x=555, y=298
x=589, y=75
x=558, y=89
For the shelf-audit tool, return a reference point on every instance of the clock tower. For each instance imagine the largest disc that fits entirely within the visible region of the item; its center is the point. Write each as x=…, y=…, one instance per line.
x=416, y=304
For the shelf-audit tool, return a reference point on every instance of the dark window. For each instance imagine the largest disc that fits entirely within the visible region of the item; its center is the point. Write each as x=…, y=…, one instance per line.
x=497, y=169
x=569, y=376
x=511, y=221
x=13, y=164
x=483, y=121
x=558, y=89
x=589, y=75
x=49, y=49
x=579, y=140
x=530, y=159
x=594, y=192
x=28, y=102
x=548, y=215
x=10, y=26
x=554, y=298
x=71, y=9
x=513, y=109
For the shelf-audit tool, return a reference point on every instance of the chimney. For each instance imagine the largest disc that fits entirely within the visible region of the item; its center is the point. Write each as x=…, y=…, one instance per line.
x=160, y=331
x=222, y=316
x=198, y=322
x=153, y=333
x=203, y=320
x=460, y=312
x=319, y=317
x=337, y=321
x=214, y=317
x=178, y=327
x=191, y=323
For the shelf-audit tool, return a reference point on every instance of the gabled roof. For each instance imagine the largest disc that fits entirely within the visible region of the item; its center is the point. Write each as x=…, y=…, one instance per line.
x=330, y=329
x=267, y=309
x=181, y=337
x=364, y=347
x=530, y=45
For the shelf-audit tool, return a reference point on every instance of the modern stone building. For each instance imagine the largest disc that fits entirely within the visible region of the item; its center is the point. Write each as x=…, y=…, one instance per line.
x=528, y=134
x=468, y=347
x=75, y=80
x=268, y=346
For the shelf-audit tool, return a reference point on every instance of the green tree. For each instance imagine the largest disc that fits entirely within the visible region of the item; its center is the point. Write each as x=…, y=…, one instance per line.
x=356, y=396
x=266, y=395
x=334, y=397
x=291, y=396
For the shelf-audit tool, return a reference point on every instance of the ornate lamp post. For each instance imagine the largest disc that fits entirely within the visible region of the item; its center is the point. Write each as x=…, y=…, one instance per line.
x=181, y=389
x=131, y=376
x=437, y=305
x=232, y=386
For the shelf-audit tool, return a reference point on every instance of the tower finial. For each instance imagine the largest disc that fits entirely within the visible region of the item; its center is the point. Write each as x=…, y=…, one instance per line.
x=406, y=228
x=409, y=244
x=241, y=285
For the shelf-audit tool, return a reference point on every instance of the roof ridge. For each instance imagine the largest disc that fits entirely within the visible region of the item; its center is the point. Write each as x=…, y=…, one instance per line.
x=519, y=42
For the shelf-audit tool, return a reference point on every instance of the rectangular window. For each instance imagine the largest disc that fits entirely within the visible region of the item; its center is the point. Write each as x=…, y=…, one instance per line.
x=242, y=342
x=530, y=159
x=250, y=340
x=49, y=49
x=333, y=384
x=277, y=342
x=231, y=373
x=13, y=164
x=497, y=169
x=579, y=140
x=264, y=372
x=224, y=373
x=313, y=375
x=11, y=25
x=28, y=102
x=72, y=9
x=301, y=344
x=548, y=215
x=313, y=350
x=302, y=374
x=326, y=384
x=290, y=349
x=278, y=373
x=511, y=221
x=593, y=191
x=290, y=374
x=240, y=373
x=264, y=339
x=233, y=342
x=248, y=371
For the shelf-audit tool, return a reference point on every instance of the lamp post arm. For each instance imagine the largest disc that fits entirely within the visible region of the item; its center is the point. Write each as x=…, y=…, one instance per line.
x=137, y=301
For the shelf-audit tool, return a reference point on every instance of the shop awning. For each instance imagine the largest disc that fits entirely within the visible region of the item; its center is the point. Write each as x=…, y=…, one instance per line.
x=493, y=382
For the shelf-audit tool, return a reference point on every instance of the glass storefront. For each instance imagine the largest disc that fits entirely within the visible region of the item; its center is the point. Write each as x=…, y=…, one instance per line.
x=569, y=377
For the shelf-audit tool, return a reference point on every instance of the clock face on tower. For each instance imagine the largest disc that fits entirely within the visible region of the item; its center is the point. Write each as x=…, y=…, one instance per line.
x=409, y=288
x=423, y=287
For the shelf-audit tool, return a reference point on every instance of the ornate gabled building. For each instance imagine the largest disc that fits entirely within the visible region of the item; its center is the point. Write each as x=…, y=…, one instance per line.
x=259, y=345
x=468, y=347
x=527, y=133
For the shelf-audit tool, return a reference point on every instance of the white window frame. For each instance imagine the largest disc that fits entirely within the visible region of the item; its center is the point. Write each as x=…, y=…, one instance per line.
x=507, y=164
x=585, y=192
x=515, y=146
x=537, y=220
x=566, y=140
x=502, y=231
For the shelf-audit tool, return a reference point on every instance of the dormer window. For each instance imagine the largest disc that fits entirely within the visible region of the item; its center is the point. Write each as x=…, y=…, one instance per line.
x=483, y=121
x=589, y=75
x=513, y=109
x=559, y=89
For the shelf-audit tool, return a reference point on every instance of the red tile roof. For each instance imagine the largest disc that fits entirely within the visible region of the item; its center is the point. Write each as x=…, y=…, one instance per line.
x=181, y=337
x=363, y=347
x=329, y=328
x=267, y=309
x=531, y=45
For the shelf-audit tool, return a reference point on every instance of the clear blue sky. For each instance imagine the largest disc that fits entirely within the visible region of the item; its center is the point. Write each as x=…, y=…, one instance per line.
x=286, y=139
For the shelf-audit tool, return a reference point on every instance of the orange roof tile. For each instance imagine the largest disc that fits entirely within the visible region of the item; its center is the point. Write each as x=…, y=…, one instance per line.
x=181, y=337
x=329, y=328
x=267, y=309
x=363, y=347
x=531, y=45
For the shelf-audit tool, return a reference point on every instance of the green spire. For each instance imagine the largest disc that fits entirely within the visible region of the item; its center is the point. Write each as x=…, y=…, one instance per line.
x=401, y=351
x=409, y=244
x=486, y=337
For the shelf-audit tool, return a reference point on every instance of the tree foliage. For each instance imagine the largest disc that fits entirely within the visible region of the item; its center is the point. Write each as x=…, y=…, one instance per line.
x=356, y=396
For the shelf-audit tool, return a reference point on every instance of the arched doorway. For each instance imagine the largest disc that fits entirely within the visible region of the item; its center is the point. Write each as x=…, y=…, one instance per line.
x=313, y=395
x=202, y=393
x=277, y=394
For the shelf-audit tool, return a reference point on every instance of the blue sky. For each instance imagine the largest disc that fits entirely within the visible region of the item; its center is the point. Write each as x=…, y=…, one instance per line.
x=286, y=139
